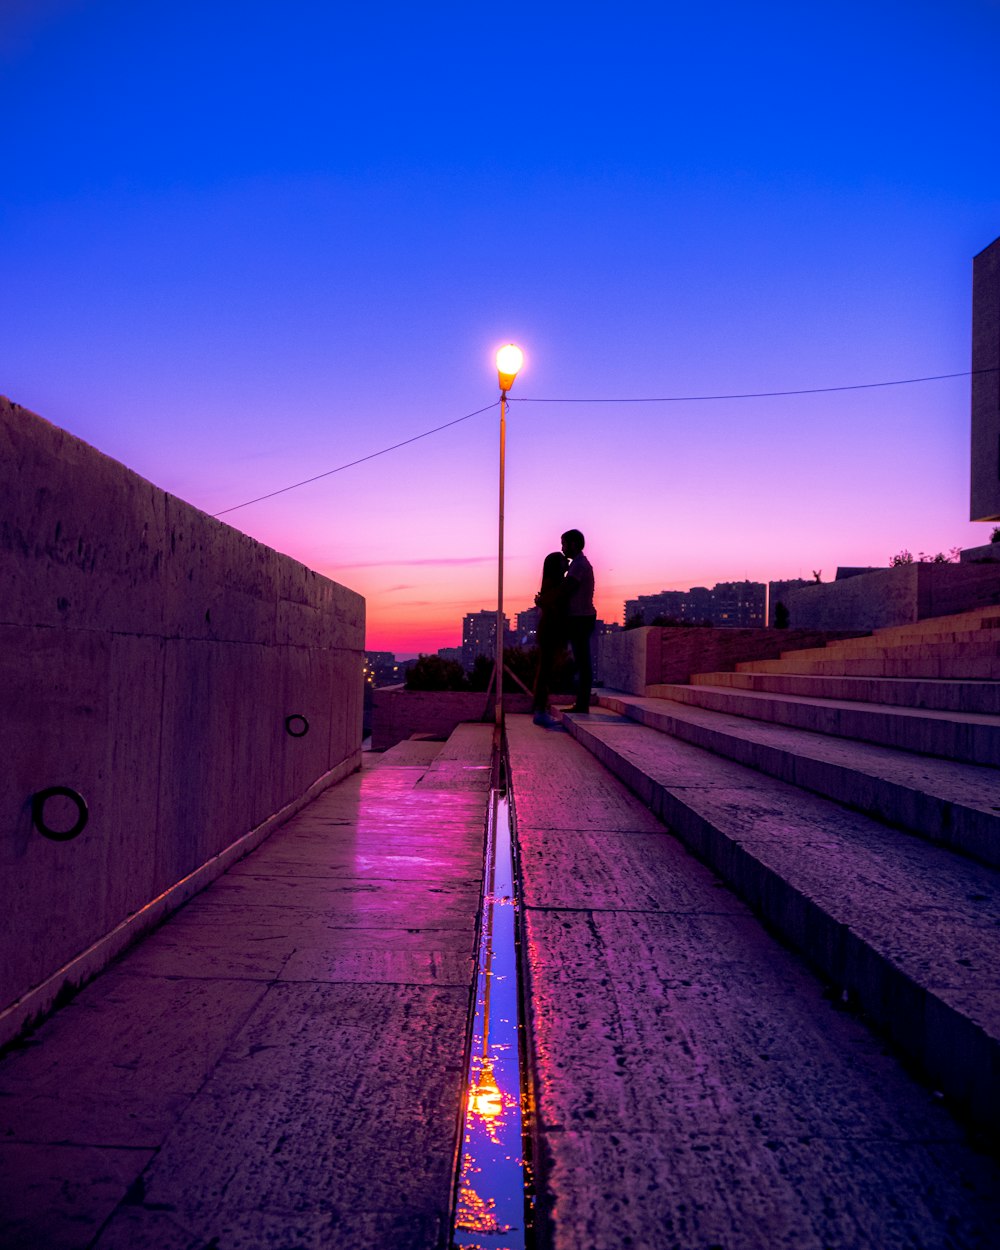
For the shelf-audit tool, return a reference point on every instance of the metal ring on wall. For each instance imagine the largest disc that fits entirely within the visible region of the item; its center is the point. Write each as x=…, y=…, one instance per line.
x=38, y=802
x=296, y=720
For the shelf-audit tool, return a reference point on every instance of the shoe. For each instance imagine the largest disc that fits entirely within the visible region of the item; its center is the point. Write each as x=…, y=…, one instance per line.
x=545, y=720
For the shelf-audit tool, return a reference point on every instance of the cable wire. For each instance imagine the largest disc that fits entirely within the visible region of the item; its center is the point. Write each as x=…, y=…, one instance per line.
x=690, y=399
x=654, y=399
x=350, y=465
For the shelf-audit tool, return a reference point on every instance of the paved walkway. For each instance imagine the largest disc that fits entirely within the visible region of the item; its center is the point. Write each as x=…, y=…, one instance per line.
x=281, y=1064
x=695, y=1088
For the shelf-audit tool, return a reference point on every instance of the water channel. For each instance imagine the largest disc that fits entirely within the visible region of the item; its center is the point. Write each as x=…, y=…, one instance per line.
x=491, y=1204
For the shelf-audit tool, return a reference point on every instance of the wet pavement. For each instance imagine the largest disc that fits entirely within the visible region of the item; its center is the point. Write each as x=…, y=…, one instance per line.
x=282, y=1063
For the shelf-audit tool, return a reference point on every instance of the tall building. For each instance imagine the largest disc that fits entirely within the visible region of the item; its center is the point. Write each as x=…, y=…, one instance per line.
x=726, y=604
x=527, y=627
x=479, y=635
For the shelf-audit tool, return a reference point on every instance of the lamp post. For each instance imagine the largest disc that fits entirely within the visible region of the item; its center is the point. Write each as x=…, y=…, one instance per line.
x=509, y=361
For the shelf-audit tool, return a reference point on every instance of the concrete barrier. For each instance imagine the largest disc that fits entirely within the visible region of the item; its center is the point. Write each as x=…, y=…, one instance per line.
x=151, y=658
x=398, y=713
x=633, y=659
x=896, y=596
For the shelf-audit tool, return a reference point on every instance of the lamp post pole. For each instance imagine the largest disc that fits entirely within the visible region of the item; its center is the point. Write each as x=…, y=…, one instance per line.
x=499, y=648
x=509, y=361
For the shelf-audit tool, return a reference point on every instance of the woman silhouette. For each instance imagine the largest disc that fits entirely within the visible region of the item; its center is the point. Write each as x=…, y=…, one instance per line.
x=551, y=633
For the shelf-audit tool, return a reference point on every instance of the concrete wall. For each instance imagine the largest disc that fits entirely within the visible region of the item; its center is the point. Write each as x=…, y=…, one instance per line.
x=986, y=554
x=149, y=657
x=899, y=596
x=399, y=713
x=985, y=460
x=654, y=654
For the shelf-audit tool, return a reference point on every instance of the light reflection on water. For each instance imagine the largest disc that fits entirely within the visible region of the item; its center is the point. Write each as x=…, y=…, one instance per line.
x=490, y=1210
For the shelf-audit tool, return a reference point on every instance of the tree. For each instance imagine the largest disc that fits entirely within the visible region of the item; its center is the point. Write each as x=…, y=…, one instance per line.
x=482, y=671
x=780, y=616
x=431, y=672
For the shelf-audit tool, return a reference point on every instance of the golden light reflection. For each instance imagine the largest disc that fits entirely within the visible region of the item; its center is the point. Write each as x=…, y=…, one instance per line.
x=477, y=1215
x=486, y=1101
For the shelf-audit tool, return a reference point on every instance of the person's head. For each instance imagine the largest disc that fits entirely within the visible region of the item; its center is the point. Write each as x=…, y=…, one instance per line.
x=572, y=543
x=553, y=569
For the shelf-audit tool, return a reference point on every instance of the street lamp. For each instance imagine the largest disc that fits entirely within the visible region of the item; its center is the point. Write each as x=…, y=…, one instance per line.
x=509, y=361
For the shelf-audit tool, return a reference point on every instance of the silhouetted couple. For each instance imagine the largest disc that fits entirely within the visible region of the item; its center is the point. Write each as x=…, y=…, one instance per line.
x=567, y=615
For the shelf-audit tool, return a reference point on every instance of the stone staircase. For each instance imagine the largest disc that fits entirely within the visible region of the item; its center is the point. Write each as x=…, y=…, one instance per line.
x=851, y=795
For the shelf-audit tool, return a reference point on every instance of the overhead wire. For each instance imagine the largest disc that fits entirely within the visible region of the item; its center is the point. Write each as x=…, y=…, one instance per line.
x=690, y=399
x=361, y=460
x=653, y=399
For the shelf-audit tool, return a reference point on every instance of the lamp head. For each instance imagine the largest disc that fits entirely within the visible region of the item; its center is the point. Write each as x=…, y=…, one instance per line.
x=509, y=361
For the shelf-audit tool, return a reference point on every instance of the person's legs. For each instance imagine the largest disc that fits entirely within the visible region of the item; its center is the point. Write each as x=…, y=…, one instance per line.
x=580, y=630
x=543, y=678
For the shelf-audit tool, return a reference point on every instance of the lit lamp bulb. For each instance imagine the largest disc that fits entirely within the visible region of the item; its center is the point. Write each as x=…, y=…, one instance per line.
x=509, y=361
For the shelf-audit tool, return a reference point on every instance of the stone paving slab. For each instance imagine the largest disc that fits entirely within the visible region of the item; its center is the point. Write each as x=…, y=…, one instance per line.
x=791, y=1196
x=620, y=872
x=694, y=1085
x=412, y=752
x=281, y=1063
x=135, y=1227
x=575, y=795
x=91, y=1183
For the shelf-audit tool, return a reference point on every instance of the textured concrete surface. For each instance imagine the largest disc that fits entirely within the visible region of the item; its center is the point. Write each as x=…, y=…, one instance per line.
x=894, y=596
x=149, y=656
x=952, y=803
x=695, y=1085
x=907, y=928
x=397, y=714
x=968, y=736
x=281, y=1063
x=943, y=696
x=633, y=659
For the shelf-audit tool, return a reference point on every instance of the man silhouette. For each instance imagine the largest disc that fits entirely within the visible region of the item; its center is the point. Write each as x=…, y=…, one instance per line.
x=581, y=614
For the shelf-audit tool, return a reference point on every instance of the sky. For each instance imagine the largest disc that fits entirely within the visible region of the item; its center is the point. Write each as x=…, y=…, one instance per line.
x=246, y=243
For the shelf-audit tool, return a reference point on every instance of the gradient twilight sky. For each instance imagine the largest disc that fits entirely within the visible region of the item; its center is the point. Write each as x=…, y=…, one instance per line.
x=242, y=243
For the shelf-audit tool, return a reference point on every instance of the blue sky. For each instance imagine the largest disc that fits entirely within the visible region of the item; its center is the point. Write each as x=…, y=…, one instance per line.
x=244, y=243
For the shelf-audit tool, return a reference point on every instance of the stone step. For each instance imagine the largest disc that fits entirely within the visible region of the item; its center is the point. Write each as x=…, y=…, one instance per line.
x=987, y=617
x=945, y=666
x=982, y=643
x=986, y=646
x=907, y=929
x=940, y=696
x=969, y=737
x=955, y=805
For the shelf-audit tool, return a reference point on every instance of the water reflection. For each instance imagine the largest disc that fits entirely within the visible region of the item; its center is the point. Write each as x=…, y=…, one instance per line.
x=490, y=1212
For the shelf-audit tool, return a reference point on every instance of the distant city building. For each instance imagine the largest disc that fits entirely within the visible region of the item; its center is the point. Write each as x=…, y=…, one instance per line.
x=726, y=604
x=527, y=627
x=381, y=669
x=479, y=635
x=452, y=654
